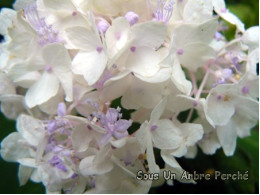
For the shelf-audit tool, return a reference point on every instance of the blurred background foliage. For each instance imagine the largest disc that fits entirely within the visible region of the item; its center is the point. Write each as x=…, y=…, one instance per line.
x=246, y=157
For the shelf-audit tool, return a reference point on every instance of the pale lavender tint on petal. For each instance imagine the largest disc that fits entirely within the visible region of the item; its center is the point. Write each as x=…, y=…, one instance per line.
x=61, y=110
x=45, y=32
x=223, y=10
x=104, y=77
x=219, y=97
x=132, y=17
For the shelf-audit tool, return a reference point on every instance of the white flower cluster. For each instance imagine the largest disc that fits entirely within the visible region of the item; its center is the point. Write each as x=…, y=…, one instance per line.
x=63, y=62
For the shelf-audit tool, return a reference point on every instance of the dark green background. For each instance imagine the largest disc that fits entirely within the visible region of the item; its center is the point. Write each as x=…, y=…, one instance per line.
x=246, y=157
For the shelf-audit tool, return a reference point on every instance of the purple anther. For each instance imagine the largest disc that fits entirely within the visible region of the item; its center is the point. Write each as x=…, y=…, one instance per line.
x=74, y=13
x=75, y=175
x=180, y=51
x=61, y=110
x=218, y=36
x=227, y=73
x=99, y=49
x=195, y=103
x=153, y=127
x=133, y=49
x=48, y=68
x=219, y=97
x=89, y=127
x=102, y=26
x=132, y=18
x=245, y=90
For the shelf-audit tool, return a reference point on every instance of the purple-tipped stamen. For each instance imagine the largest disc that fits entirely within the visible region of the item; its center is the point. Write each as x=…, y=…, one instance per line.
x=164, y=10
x=45, y=32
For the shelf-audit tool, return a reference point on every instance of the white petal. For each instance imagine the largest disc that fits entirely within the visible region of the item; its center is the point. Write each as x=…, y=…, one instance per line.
x=90, y=64
x=253, y=59
x=179, y=79
x=198, y=10
x=12, y=105
x=158, y=111
x=209, y=143
x=220, y=111
x=166, y=135
x=149, y=34
x=227, y=136
x=161, y=76
x=28, y=162
x=21, y=4
x=191, y=133
x=43, y=90
x=81, y=137
x=195, y=55
x=144, y=61
x=251, y=38
x=56, y=56
x=88, y=167
x=246, y=116
x=6, y=17
x=82, y=38
x=25, y=45
x=116, y=87
x=6, y=86
x=12, y=149
x=174, y=166
x=30, y=129
x=65, y=5
x=191, y=152
x=220, y=8
x=141, y=94
x=143, y=136
x=194, y=33
x=24, y=174
x=117, y=35
x=178, y=103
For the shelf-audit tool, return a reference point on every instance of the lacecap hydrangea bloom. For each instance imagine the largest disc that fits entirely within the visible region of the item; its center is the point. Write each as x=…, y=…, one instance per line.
x=64, y=62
